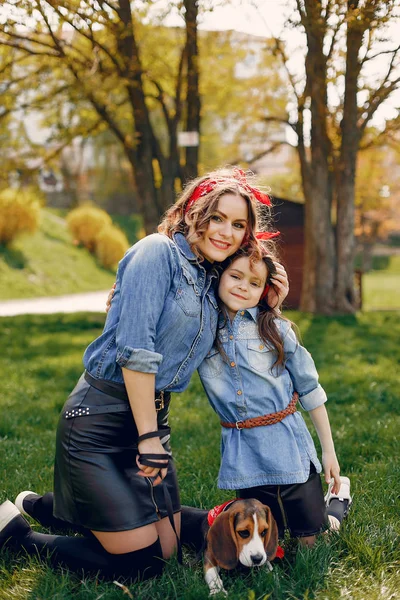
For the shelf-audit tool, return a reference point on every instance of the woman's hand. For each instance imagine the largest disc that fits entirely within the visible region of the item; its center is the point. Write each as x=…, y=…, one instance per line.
x=280, y=287
x=331, y=470
x=110, y=297
x=152, y=446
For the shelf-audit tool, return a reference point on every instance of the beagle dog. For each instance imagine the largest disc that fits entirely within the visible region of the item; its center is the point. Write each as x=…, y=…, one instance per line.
x=244, y=531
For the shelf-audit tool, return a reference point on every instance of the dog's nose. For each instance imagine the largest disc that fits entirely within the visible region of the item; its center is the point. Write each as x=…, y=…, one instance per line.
x=256, y=558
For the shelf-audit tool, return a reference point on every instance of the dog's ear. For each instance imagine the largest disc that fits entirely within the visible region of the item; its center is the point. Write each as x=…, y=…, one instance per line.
x=221, y=540
x=271, y=539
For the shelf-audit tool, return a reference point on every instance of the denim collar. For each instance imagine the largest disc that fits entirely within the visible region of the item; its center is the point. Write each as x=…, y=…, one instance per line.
x=184, y=246
x=251, y=312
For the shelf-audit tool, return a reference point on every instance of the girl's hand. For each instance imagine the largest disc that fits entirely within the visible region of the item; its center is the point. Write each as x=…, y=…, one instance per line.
x=331, y=470
x=280, y=287
x=110, y=297
x=152, y=446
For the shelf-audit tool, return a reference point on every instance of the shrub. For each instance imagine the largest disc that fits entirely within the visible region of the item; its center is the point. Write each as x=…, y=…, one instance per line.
x=19, y=213
x=85, y=224
x=111, y=245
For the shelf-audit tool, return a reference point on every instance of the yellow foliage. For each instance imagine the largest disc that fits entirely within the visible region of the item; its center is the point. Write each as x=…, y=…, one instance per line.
x=111, y=245
x=86, y=223
x=19, y=213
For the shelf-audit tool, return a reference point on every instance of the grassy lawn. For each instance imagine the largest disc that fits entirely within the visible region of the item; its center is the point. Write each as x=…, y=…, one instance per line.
x=358, y=359
x=48, y=264
x=381, y=286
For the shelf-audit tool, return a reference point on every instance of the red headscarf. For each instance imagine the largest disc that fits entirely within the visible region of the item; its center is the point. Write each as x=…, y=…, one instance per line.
x=208, y=185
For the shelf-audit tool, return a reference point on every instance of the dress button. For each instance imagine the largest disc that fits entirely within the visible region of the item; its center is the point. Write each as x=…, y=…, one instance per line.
x=261, y=346
x=242, y=312
x=233, y=364
x=231, y=337
x=239, y=392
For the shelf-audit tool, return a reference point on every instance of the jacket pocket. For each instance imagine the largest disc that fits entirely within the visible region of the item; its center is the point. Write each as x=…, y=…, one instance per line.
x=186, y=295
x=261, y=357
x=212, y=364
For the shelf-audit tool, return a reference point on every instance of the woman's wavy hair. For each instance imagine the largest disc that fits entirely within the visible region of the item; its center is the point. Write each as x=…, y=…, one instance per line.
x=266, y=318
x=194, y=222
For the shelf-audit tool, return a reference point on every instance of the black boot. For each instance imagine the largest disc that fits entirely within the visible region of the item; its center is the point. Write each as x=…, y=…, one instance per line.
x=40, y=508
x=194, y=527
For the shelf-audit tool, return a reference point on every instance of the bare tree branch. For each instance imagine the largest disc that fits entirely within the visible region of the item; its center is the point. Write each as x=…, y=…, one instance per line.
x=272, y=119
x=368, y=58
x=26, y=38
x=279, y=50
x=261, y=154
x=27, y=50
x=382, y=93
x=91, y=38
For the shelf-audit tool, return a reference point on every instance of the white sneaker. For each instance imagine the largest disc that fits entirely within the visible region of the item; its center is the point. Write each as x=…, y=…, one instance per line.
x=19, y=501
x=8, y=512
x=12, y=523
x=343, y=494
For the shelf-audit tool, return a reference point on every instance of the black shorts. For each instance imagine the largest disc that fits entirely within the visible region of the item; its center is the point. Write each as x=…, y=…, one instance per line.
x=96, y=485
x=298, y=507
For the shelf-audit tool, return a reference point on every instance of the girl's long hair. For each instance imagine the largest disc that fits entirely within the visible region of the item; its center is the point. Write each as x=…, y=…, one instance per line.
x=266, y=318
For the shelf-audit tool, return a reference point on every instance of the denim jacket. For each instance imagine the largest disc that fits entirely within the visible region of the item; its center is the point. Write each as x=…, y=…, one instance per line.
x=163, y=315
x=246, y=386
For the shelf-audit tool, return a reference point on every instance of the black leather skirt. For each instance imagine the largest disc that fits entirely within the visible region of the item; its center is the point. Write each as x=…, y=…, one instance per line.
x=96, y=484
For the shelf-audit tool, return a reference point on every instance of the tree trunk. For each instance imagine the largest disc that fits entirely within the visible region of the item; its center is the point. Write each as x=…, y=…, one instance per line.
x=193, y=104
x=140, y=153
x=319, y=257
x=345, y=300
x=318, y=272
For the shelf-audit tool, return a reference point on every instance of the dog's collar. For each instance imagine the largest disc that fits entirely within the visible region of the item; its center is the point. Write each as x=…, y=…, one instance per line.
x=217, y=510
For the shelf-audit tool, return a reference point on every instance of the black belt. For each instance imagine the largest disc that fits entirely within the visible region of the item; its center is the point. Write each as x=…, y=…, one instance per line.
x=116, y=390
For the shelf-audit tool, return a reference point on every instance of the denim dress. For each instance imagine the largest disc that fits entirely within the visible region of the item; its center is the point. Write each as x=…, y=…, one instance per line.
x=162, y=320
x=245, y=384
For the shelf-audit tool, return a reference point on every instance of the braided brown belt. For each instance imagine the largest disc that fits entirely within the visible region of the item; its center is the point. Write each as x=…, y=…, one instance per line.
x=269, y=419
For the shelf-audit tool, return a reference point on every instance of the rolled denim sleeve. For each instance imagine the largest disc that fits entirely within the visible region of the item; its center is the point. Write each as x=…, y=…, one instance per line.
x=145, y=282
x=302, y=370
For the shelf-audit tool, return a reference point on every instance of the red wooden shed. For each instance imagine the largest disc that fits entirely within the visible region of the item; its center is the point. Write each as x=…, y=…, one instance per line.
x=288, y=218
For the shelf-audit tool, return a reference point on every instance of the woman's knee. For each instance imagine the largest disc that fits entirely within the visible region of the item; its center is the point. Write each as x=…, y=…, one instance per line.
x=123, y=542
x=308, y=541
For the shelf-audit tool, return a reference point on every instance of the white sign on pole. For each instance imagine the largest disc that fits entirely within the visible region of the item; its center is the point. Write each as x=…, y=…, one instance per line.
x=188, y=138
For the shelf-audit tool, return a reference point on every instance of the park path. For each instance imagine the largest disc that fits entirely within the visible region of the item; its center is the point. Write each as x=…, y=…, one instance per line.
x=87, y=302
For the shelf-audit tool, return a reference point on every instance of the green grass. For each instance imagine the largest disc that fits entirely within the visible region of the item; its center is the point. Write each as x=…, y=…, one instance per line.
x=48, y=264
x=358, y=360
x=381, y=286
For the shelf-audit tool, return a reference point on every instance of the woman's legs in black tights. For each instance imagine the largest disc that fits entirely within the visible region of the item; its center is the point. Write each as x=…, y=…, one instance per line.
x=40, y=508
x=78, y=553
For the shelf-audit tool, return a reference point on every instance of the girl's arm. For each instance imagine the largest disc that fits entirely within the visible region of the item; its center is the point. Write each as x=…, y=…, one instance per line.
x=320, y=419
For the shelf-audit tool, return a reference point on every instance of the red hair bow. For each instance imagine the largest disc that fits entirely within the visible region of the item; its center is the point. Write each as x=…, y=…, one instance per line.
x=209, y=184
x=267, y=235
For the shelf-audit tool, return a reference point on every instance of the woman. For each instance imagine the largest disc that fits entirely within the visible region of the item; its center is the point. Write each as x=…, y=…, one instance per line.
x=112, y=450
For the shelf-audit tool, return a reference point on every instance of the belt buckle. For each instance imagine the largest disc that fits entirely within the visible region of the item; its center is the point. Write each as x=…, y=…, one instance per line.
x=160, y=402
x=239, y=425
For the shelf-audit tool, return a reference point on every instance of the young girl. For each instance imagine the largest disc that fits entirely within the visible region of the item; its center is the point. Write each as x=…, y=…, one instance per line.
x=114, y=477
x=253, y=377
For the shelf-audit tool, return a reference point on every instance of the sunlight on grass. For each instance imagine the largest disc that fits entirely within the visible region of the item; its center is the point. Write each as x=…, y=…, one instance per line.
x=358, y=360
x=49, y=264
